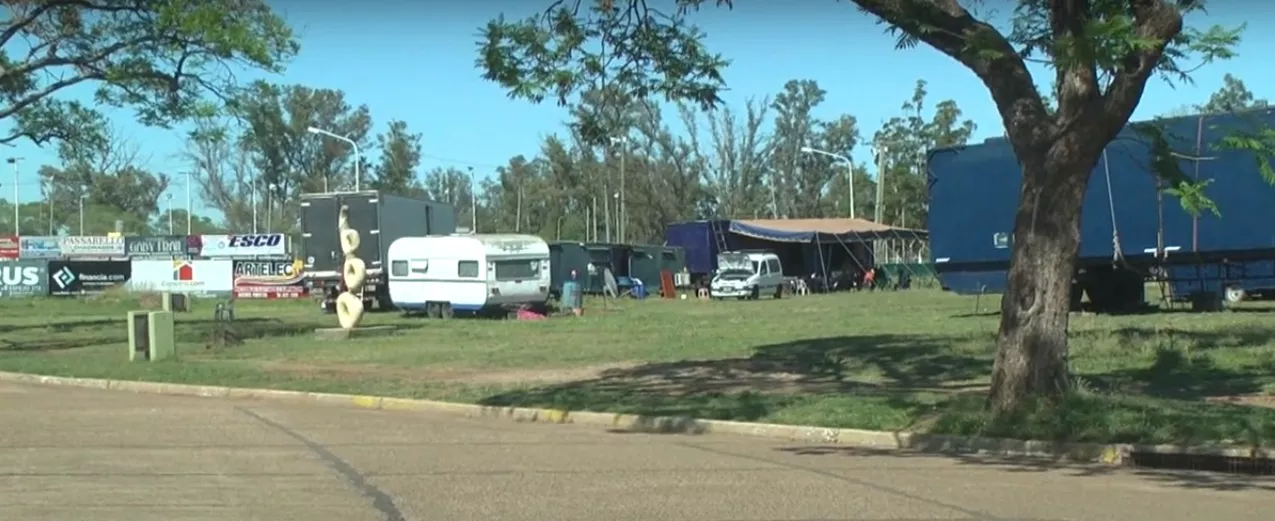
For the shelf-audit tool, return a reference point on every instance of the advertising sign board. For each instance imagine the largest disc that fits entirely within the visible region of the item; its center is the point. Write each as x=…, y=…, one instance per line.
x=250, y=245
x=166, y=246
x=39, y=247
x=9, y=247
x=23, y=279
x=92, y=246
x=86, y=277
x=269, y=279
x=183, y=276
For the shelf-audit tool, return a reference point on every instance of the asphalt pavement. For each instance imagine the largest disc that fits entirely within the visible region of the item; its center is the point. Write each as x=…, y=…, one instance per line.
x=79, y=454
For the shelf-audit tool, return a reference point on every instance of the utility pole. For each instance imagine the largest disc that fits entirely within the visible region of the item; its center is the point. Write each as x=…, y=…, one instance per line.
x=473, y=202
x=188, y=209
x=878, y=211
x=623, y=209
x=16, y=203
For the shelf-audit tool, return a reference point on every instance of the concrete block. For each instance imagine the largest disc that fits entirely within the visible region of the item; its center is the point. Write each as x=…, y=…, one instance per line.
x=163, y=338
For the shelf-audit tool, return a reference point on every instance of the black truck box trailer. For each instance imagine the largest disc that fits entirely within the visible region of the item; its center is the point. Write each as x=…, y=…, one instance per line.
x=380, y=219
x=1131, y=230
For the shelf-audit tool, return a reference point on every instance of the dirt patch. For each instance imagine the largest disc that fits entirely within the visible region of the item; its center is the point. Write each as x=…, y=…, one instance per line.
x=1256, y=400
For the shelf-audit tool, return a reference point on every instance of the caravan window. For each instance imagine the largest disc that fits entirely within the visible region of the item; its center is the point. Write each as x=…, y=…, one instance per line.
x=467, y=269
x=517, y=269
x=398, y=268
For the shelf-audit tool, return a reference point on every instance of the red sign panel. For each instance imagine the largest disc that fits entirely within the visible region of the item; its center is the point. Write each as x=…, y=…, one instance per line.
x=10, y=246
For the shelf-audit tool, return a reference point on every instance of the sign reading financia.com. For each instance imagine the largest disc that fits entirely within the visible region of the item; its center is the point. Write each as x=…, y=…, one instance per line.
x=91, y=246
x=67, y=278
x=23, y=279
x=269, y=279
x=249, y=245
x=183, y=276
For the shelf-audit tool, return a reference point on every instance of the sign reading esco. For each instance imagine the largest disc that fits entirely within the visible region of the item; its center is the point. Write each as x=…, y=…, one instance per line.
x=255, y=241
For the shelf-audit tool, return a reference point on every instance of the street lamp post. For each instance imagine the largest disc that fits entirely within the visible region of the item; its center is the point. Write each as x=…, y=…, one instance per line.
x=270, y=206
x=849, y=171
x=188, y=226
x=253, y=186
x=358, y=158
x=622, y=226
x=84, y=194
x=16, y=214
x=170, y=214
x=473, y=202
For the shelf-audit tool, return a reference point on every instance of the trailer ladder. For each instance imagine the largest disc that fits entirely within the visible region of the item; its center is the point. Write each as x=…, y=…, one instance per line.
x=719, y=236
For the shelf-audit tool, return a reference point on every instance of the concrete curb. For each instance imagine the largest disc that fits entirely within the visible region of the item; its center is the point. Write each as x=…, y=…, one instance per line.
x=1110, y=454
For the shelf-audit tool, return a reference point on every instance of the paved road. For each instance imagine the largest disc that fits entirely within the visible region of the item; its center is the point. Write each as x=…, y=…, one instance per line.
x=76, y=454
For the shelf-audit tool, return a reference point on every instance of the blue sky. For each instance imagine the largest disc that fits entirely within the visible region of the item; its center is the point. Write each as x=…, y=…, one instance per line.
x=414, y=61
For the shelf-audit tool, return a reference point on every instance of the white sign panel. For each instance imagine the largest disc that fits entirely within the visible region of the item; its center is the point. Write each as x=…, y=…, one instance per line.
x=248, y=245
x=91, y=246
x=183, y=276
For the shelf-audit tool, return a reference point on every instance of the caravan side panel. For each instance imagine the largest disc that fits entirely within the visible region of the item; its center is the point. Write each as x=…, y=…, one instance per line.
x=438, y=269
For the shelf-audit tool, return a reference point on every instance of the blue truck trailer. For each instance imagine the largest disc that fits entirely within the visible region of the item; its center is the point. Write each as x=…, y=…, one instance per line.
x=1131, y=230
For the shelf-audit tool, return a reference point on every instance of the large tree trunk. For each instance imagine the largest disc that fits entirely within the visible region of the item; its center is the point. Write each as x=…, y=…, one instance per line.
x=1031, y=348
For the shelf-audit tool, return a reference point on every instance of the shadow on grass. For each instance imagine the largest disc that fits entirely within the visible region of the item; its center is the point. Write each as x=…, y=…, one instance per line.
x=923, y=384
x=1194, y=365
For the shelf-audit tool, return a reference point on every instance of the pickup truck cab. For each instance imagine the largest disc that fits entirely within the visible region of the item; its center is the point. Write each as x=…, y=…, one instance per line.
x=747, y=275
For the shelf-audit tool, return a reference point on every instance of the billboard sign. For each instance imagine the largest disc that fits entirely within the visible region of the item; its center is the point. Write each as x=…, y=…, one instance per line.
x=23, y=279
x=39, y=247
x=183, y=276
x=86, y=277
x=165, y=246
x=269, y=279
x=92, y=246
x=250, y=245
x=9, y=247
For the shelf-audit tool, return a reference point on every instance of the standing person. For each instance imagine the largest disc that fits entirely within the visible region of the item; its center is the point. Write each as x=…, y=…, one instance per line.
x=870, y=279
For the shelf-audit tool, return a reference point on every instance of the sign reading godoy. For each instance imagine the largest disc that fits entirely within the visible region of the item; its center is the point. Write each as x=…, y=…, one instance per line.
x=161, y=246
x=91, y=246
x=250, y=245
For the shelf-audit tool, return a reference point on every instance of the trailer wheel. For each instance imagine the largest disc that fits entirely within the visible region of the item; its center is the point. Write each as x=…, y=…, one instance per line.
x=445, y=310
x=1235, y=295
x=779, y=291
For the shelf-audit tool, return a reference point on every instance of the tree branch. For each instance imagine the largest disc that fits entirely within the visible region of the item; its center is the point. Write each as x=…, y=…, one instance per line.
x=952, y=30
x=1154, y=21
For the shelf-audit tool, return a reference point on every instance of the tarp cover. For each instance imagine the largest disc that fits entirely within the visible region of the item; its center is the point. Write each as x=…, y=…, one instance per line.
x=808, y=230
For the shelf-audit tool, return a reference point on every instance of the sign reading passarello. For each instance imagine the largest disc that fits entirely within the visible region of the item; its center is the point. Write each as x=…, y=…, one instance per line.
x=23, y=279
x=91, y=246
x=161, y=246
x=45, y=247
x=250, y=245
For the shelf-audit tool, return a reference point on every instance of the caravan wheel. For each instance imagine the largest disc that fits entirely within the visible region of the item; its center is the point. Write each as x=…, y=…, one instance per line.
x=433, y=310
x=445, y=310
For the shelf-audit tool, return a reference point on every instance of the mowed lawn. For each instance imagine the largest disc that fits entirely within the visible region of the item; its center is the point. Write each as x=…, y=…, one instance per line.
x=915, y=360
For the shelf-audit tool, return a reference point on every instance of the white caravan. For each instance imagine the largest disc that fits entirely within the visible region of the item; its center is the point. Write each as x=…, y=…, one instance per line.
x=439, y=275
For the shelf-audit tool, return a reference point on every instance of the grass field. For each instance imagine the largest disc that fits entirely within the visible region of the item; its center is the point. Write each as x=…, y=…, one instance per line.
x=907, y=360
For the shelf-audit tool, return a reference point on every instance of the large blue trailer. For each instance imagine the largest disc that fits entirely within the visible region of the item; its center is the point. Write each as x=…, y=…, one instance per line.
x=1131, y=231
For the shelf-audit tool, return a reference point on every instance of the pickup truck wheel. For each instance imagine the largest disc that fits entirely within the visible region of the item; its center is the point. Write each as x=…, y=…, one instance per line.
x=779, y=291
x=1235, y=295
x=756, y=294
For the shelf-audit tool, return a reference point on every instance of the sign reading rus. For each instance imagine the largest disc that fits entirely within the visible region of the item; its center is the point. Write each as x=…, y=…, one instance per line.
x=159, y=246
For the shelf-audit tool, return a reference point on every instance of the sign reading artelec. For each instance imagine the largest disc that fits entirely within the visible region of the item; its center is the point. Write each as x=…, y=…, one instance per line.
x=162, y=246
x=46, y=247
x=91, y=246
x=244, y=245
x=23, y=279
x=268, y=279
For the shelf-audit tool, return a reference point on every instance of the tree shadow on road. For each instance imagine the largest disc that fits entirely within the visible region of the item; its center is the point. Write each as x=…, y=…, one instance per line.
x=1205, y=473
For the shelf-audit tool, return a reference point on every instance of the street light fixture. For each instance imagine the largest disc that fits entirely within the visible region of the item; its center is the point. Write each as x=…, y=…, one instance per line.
x=84, y=194
x=358, y=158
x=16, y=215
x=849, y=170
x=170, y=214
